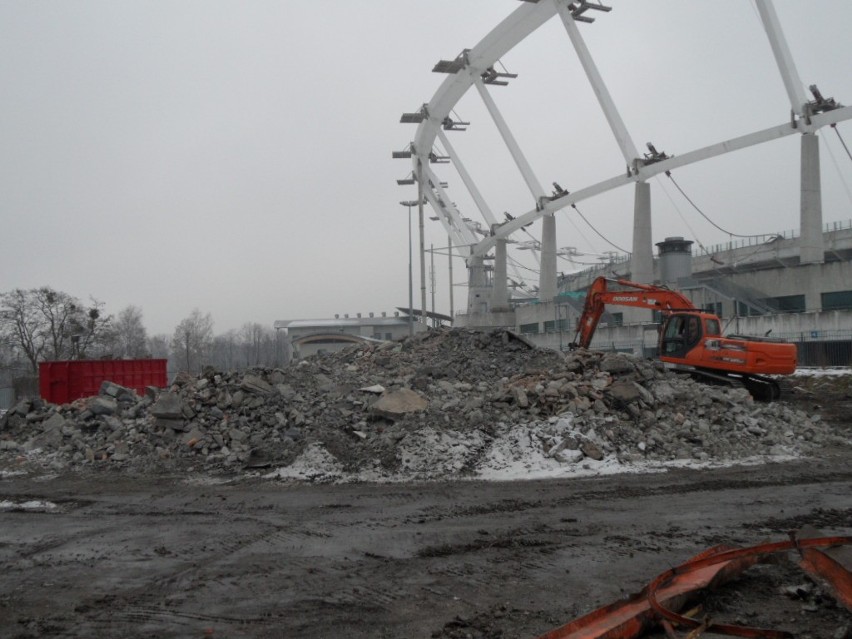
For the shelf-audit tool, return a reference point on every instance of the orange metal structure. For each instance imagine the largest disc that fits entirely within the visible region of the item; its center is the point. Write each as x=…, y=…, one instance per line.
x=655, y=604
x=631, y=618
x=830, y=569
x=691, y=339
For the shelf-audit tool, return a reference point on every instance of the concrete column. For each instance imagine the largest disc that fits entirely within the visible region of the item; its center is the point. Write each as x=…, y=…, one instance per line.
x=547, y=277
x=500, y=291
x=477, y=286
x=811, y=247
x=813, y=294
x=642, y=261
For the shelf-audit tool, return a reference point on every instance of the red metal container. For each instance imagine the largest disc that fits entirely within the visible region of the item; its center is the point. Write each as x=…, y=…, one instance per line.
x=65, y=381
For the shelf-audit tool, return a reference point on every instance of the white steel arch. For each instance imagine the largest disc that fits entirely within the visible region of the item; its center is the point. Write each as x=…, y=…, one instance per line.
x=650, y=170
x=475, y=64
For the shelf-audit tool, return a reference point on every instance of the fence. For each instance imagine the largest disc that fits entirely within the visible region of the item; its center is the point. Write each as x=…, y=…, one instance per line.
x=758, y=240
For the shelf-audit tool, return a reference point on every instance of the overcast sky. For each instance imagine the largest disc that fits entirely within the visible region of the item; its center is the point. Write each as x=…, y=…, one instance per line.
x=236, y=156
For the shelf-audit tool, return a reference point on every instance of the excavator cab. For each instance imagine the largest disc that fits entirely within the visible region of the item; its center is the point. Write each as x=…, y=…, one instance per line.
x=682, y=332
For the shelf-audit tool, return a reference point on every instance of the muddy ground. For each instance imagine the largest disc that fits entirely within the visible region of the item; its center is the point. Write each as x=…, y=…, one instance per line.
x=178, y=556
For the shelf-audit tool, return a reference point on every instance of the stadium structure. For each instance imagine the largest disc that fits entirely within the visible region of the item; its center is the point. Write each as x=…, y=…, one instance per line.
x=795, y=285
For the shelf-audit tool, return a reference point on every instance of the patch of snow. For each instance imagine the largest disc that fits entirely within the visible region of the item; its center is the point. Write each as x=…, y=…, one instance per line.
x=27, y=506
x=823, y=372
x=315, y=464
x=538, y=450
x=428, y=453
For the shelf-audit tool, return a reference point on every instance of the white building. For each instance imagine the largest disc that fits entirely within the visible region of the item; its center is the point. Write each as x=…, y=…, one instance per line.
x=310, y=336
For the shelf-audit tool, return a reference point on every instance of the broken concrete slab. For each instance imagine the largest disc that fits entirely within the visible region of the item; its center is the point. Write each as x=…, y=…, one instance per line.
x=54, y=422
x=255, y=384
x=398, y=403
x=169, y=405
x=103, y=406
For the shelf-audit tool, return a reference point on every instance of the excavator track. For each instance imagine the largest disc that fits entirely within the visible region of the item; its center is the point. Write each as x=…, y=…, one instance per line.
x=763, y=389
x=712, y=378
x=760, y=387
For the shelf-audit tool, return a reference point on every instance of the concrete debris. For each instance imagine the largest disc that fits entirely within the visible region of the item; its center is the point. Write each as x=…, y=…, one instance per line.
x=376, y=389
x=397, y=404
x=445, y=403
x=168, y=406
x=103, y=406
x=255, y=384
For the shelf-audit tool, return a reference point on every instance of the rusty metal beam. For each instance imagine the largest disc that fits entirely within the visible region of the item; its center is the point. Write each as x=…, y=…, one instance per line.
x=655, y=605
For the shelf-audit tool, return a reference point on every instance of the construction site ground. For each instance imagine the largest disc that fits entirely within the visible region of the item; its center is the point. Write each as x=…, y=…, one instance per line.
x=171, y=557
x=106, y=553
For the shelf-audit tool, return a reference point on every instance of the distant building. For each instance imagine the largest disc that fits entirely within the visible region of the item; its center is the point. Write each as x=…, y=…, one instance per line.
x=311, y=336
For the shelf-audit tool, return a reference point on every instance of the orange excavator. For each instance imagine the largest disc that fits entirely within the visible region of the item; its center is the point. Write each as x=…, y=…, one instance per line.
x=691, y=340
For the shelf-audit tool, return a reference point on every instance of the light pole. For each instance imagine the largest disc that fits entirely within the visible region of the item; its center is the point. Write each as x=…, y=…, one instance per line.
x=409, y=204
x=420, y=202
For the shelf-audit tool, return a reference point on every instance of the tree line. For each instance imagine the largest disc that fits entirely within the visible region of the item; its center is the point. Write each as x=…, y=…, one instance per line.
x=43, y=324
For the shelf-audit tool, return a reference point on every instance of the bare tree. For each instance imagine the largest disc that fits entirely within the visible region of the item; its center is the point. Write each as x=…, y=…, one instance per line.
x=48, y=324
x=258, y=344
x=93, y=332
x=131, y=336
x=158, y=346
x=21, y=325
x=192, y=340
x=226, y=351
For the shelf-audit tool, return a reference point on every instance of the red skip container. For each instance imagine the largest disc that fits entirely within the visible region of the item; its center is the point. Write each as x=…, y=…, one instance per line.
x=65, y=381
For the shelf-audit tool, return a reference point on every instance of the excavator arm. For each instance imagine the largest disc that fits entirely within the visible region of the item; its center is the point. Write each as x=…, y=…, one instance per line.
x=630, y=294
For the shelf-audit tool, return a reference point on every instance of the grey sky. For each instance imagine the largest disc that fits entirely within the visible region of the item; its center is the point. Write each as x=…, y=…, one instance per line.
x=235, y=156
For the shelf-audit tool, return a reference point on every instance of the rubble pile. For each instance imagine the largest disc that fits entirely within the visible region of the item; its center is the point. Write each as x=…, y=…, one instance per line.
x=448, y=403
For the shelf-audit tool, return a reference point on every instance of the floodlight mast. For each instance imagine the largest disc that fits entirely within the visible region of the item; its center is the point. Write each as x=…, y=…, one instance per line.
x=409, y=204
x=422, y=243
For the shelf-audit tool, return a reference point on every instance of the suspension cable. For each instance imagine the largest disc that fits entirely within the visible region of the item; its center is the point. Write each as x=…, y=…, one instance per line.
x=532, y=237
x=681, y=216
x=839, y=172
x=695, y=206
x=599, y=234
x=517, y=264
x=521, y=281
x=580, y=233
x=840, y=137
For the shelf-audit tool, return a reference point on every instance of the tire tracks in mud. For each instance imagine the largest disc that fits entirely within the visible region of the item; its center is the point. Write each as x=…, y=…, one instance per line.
x=179, y=568
x=621, y=491
x=253, y=562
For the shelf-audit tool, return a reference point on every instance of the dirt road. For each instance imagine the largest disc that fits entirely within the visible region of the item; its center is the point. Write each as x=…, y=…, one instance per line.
x=175, y=557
